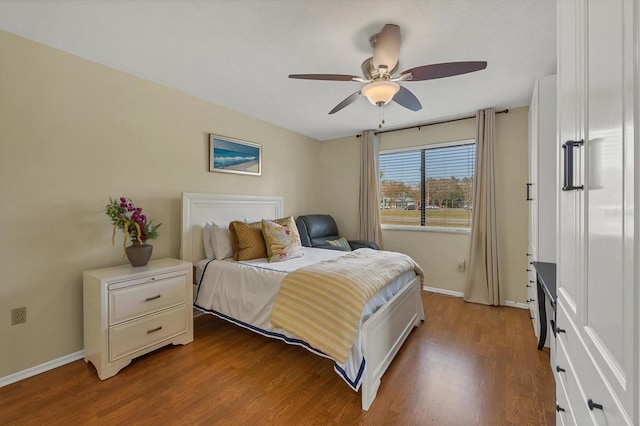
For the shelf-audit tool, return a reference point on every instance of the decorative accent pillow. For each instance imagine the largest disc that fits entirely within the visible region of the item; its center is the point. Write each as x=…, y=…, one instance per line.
x=221, y=242
x=250, y=240
x=281, y=239
x=206, y=241
x=341, y=242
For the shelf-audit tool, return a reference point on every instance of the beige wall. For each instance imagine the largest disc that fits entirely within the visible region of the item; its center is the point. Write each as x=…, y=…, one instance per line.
x=438, y=252
x=74, y=133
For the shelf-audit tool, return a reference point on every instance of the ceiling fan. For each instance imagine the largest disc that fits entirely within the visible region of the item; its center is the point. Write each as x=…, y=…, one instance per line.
x=379, y=73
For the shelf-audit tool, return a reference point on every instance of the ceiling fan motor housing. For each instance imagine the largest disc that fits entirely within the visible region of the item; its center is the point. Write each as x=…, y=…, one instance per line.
x=386, y=47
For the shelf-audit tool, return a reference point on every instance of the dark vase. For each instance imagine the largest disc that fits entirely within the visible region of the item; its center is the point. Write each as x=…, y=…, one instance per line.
x=139, y=254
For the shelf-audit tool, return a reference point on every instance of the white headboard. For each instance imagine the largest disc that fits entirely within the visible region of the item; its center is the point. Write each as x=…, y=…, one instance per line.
x=198, y=209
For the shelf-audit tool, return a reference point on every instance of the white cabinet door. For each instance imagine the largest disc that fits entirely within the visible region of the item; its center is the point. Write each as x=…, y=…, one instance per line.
x=532, y=187
x=546, y=181
x=570, y=94
x=607, y=321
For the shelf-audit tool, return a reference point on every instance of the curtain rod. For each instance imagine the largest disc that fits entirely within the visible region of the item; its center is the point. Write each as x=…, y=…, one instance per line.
x=504, y=111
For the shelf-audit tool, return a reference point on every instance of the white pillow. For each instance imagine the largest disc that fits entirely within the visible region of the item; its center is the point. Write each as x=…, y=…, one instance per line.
x=207, y=233
x=221, y=242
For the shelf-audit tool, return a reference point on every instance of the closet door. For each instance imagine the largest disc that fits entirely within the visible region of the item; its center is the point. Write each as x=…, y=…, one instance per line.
x=570, y=128
x=532, y=200
x=608, y=324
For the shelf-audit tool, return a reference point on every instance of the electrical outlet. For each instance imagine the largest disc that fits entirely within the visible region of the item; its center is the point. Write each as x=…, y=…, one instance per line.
x=18, y=315
x=461, y=265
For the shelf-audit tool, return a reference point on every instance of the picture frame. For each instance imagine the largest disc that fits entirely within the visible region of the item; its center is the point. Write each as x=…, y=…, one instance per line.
x=230, y=155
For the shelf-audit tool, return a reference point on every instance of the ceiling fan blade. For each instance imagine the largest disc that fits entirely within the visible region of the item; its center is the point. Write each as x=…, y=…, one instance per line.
x=407, y=99
x=348, y=101
x=447, y=69
x=386, y=47
x=336, y=77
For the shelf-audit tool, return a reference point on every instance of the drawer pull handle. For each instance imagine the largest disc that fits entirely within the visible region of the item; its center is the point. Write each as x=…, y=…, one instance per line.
x=153, y=330
x=529, y=270
x=593, y=405
x=559, y=408
x=531, y=300
x=532, y=282
x=149, y=299
x=529, y=285
x=560, y=369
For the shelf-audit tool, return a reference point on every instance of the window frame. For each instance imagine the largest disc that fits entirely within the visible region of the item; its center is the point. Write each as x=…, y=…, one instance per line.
x=420, y=228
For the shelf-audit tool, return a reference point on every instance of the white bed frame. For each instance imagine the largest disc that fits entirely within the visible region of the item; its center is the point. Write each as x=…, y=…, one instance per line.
x=382, y=334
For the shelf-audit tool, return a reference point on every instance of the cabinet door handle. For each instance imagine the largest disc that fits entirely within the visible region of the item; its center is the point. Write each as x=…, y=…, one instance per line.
x=560, y=369
x=149, y=299
x=560, y=330
x=559, y=408
x=153, y=330
x=568, y=148
x=529, y=192
x=593, y=405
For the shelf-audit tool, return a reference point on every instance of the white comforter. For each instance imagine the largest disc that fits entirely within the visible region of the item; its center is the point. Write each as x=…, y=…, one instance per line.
x=244, y=293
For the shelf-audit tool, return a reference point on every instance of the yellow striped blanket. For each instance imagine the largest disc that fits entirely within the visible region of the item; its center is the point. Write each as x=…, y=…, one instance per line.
x=323, y=303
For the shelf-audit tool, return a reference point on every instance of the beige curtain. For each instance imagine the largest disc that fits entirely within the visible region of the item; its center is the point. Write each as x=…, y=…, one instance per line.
x=483, y=276
x=369, y=207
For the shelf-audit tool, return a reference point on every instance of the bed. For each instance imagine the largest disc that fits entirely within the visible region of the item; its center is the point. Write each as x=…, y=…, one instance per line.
x=388, y=317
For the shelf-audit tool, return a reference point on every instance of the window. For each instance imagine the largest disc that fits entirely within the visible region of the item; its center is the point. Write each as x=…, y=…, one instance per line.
x=429, y=186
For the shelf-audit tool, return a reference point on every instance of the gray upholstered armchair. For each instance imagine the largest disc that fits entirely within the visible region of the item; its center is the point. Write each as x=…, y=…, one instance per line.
x=316, y=229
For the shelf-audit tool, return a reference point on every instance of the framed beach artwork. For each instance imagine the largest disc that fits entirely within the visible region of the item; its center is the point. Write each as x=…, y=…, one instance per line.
x=230, y=155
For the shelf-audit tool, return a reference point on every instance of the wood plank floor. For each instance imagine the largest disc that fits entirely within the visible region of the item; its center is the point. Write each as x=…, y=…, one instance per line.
x=467, y=364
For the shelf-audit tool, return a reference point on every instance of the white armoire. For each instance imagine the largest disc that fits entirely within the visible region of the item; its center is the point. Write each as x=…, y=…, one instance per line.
x=598, y=254
x=541, y=187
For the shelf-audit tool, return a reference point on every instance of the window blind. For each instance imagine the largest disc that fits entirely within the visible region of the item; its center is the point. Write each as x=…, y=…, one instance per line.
x=428, y=186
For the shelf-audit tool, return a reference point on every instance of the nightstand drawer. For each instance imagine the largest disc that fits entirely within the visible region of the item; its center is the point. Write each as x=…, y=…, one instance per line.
x=131, y=302
x=133, y=336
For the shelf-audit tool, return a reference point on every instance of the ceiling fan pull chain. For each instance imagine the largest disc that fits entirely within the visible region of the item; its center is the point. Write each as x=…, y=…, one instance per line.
x=381, y=116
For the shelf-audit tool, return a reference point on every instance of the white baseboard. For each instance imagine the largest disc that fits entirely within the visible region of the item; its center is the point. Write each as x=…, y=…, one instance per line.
x=443, y=291
x=508, y=303
x=33, y=371
x=513, y=304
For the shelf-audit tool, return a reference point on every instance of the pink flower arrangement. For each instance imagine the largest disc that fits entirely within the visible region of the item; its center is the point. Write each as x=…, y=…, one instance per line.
x=129, y=218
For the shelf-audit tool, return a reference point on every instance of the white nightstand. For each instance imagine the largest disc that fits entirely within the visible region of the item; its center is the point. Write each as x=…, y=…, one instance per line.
x=131, y=311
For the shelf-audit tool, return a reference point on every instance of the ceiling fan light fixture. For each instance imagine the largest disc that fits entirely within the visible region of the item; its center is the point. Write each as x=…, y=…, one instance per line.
x=380, y=92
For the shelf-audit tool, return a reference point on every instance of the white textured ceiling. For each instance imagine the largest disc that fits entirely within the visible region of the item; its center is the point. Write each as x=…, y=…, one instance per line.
x=239, y=53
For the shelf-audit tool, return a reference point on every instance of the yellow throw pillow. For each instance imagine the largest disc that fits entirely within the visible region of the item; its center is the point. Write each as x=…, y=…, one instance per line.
x=248, y=241
x=282, y=239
